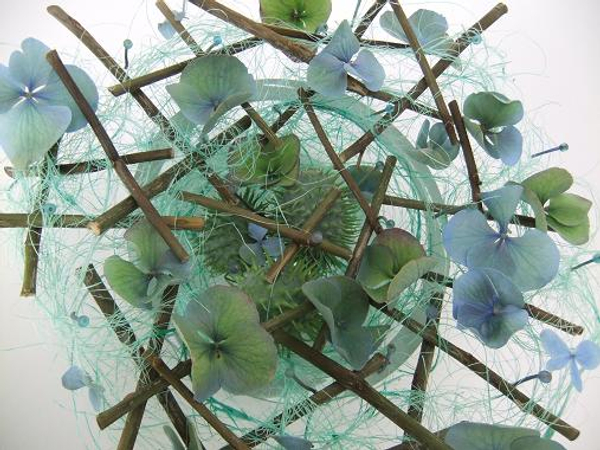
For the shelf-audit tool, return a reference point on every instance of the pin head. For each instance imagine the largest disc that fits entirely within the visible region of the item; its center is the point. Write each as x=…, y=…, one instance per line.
x=128, y=44
x=217, y=40
x=316, y=237
x=48, y=209
x=379, y=166
x=545, y=377
x=563, y=147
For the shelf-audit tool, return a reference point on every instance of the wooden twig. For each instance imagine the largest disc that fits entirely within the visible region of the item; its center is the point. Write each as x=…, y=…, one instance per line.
x=429, y=76
x=204, y=412
x=97, y=165
x=119, y=166
x=142, y=99
x=339, y=165
x=183, y=369
x=299, y=236
x=79, y=221
x=405, y=102
x=126, y=335
x=311, y=223
x=134, y=417
x=301, y=409
x=467, y=150
x=424, y=363
x=178, y=27
x=360, y=387
x=283, y=118
x=33, y=235
x=481, y=370
x=260, y=123
x=137, y=83
x=368, y=18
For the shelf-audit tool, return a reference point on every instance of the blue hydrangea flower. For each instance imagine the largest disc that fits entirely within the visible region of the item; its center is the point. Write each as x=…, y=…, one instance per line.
x=586, y=356
x=76, y=378
x=433, y=146
x=166, y=29
x=328, y=71
x=530, y=261
x=254, y=252
x=35, y=107
x=481, y=436
x=489, y=304
x=293, y=442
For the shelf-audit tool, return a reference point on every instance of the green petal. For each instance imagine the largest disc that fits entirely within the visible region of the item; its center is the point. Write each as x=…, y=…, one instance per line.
x=303, y=14
x=577, y=235
x=127, y=281
x=480, y=436
x=409, y=274
x=403, y=245
x=376, y=271
x=148, y=246
x=569, y=209
x=539, y=213
x=493, y=110
x=549, y=183
x=206, y=375
x=535, y=443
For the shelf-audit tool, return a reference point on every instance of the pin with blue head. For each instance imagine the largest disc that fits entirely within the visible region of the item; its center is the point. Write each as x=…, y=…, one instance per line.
x=82, y=321
x=595, y=259
x=561, y=148
x=217, y=41
x=127, y=45
x=543, y=376
x=48, y=209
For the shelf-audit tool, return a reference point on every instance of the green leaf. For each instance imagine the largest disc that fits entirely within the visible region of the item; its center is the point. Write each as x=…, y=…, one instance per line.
x=577, y=235
x=267, y=166
x=493, y=110
x=549, y=183
x=228, y=346
x=127, y=281
x=306, y=15
x=569, y=209
x=410, y=273
x=535, y=443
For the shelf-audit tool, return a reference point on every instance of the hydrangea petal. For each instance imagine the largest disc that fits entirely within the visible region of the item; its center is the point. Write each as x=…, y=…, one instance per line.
x=30, y=67
x=356, y=345
x=327, y=76
x=149, y=247
x=507, y=144
x=575, y=375
x=423, y=136
x=376, y=271
x=293, y=443
x=539, y=213
x=343, y=44
x=173, y=438
x=587, y=355
x=479, y=436
x=197, y=110
x=127, y=281
x=257, y=232
x=29, y=130
x=569, y=209
x=96, y=396
x=576, y=235
x=55, y=93
x=307, y=15
x=273, y=245
x=229, y=103
x=367, y=68
x=558, y=362
x=410, y=273
x=530, y=261
x=549, y=183
x=367, y=177
x=75, y=378
x=493, y=110
x=535, y=443
x=502, y=203
x=555, y=347
x=252, y=253
x=468, y=229
x=429, y=26
x=10, y=90
x=172, y=266
x=206, y=376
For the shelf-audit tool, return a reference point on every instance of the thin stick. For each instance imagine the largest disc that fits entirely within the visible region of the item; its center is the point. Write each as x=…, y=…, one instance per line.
x=311, y=223
x=142, y=99
x=283, y=118
x=165, y=180
x=299, y=236
x=465, y=143
x=120, y=167
x=301, y=409
x=419, y=205
x=339, y=165
x=424, y=363
x=176, y=24
x=134, y=418
x=481, y=370
x=183, y=369
x=260, y=123
x=134, y=84
x=97, y=165
x=429, y=76
x=79, y=221
x=360, y=387
x=206, y=414
x=126, y=335
x=368, y=18
x=33, y=237
x=401, y=105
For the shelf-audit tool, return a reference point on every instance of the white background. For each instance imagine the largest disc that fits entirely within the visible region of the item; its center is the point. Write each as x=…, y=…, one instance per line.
x=553, y=52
